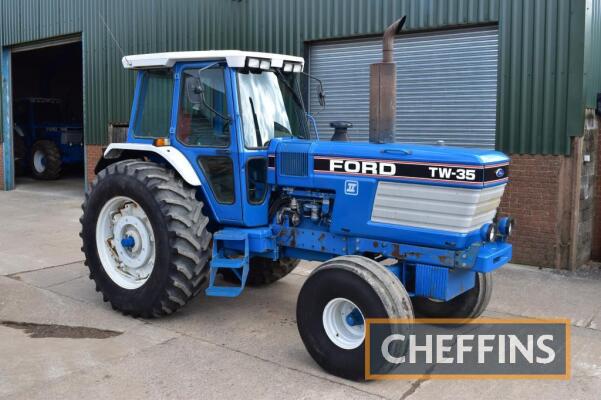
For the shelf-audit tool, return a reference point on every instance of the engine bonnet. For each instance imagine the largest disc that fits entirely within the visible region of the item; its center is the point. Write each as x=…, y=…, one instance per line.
x=438, y=165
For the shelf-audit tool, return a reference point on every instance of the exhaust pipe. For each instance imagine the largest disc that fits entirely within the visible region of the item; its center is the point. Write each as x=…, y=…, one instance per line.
x=382, y=89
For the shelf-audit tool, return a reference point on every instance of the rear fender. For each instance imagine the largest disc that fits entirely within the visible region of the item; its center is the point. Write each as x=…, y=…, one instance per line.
x=172, y=156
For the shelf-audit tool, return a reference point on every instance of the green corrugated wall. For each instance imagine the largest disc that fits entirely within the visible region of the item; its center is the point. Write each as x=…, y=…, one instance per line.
x=592, y=64
x=541, y=87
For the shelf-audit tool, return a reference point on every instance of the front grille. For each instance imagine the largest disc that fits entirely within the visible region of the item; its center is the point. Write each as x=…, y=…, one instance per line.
x=294, y=164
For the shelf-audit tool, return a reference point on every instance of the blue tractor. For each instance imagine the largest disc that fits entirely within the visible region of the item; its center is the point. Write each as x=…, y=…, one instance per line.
x=44, y=140
x=219, y=176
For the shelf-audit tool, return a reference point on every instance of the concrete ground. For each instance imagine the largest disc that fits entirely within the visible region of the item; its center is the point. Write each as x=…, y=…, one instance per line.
x=59, y=340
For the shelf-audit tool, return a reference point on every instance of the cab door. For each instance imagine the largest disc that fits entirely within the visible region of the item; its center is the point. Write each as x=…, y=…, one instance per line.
x=204, y=127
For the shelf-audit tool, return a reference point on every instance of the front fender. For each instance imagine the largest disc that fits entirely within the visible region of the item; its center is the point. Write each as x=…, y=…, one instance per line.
x=171, y=155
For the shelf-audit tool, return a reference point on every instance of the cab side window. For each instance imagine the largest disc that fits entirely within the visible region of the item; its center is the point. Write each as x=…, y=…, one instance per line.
x=256, y=180
x=203, y=118
x=154, y=107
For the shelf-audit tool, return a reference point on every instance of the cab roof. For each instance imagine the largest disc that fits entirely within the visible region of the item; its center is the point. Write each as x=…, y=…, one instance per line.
x=234, y=58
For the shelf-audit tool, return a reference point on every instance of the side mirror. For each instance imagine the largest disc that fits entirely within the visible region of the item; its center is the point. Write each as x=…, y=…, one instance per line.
x=194, y=91
x=321, y=96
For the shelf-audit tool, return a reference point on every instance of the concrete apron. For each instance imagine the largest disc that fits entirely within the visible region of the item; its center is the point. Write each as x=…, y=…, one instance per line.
x=59, y=340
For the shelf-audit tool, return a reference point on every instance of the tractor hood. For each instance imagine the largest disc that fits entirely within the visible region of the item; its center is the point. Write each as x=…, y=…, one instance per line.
x=409, y=152
x=424, y=195
x=437, y=165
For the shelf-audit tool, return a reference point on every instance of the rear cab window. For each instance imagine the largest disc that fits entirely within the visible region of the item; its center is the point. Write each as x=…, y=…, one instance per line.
x=153, y=118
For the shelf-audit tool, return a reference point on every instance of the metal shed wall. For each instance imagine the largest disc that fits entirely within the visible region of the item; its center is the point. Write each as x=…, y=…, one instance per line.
x=446, y=86
x=541, y=58
x=592, y=63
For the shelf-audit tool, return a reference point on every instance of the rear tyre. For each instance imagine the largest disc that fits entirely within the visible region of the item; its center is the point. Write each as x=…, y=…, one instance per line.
x=333, y=304
x=263, y=271
x=45, y=160
x=470, y=304
x=144, y=238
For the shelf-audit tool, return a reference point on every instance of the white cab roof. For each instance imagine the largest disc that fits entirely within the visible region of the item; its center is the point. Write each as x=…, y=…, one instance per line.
x=234, y=58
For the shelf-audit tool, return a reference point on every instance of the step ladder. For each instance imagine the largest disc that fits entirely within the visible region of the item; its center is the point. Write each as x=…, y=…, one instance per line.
x=239, y=266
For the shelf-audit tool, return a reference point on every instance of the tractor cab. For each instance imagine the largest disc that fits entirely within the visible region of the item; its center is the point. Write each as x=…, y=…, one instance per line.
x=221, y=110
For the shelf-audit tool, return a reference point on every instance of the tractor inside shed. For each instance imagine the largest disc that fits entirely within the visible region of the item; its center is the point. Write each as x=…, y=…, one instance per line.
x=47, y=100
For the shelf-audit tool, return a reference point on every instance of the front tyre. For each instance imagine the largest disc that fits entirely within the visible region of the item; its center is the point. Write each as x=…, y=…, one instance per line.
x=332, y=307
x=45, y=160
x=470, y=304
x=144, y=238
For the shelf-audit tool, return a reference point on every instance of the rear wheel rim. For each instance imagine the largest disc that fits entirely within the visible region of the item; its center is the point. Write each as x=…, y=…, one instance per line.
x=125, y=242
x=39, y=161
x=344, y=323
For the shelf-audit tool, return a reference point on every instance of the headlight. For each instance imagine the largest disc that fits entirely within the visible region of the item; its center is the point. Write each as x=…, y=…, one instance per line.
x=297, y=68
x=288, y=67
x=506, y=225
x=254, y=63
x=265, y=65
x=488, y=232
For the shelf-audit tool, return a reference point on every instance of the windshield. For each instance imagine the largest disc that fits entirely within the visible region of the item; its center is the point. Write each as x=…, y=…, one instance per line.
x=271, y=107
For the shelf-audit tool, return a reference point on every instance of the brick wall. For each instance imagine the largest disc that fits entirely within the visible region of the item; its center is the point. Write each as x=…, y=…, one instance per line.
x=93, y=154
x=531, y=197
x=1, y=168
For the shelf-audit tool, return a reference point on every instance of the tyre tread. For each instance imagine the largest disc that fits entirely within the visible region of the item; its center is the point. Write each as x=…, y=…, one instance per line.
x=53, y=160
x=189, y=238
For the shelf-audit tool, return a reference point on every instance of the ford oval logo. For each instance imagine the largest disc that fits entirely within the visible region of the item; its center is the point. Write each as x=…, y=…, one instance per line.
x=500, y=173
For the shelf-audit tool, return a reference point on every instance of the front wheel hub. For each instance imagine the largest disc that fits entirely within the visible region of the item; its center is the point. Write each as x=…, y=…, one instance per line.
x=344, y=323
x=128, y=242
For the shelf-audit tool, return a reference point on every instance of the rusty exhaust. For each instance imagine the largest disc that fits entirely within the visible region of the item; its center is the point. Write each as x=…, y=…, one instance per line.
x=382, y=89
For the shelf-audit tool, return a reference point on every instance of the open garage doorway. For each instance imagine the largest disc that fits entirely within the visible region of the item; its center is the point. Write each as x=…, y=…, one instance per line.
x=47, y=115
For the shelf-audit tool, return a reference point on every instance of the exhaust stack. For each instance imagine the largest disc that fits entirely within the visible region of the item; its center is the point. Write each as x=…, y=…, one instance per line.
x=382, y=89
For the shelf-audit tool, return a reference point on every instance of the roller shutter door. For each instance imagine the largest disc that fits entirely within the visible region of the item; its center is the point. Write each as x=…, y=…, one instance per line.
x=446, y=86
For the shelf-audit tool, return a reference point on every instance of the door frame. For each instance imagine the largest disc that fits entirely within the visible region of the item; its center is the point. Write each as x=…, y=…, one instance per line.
x=232, y=214
x=7, y=120
x=7, y=97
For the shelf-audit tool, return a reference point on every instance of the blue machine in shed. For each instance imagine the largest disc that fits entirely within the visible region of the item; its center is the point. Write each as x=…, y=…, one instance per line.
x=219, y=176
x=44, y=140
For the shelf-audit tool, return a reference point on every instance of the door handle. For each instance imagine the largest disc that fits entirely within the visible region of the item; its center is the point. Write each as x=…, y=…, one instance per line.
x=226, y=152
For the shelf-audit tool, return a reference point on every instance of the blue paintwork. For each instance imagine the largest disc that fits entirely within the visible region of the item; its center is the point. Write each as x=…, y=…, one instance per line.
x=492, y=256
x=409, y=153
x=311, y=119
x=438, y=264
x=484, y=231
x=504, y=224
x=354, y=318
x=360, y=205
x=7, y=123
x=219, y=260
x=442, y=283
x=35, y=130
x=128, y=242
